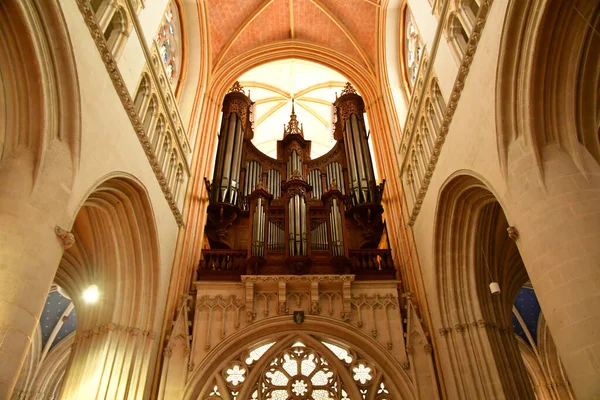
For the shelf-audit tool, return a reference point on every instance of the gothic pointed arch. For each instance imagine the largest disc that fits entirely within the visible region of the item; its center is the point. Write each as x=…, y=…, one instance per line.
x=473, y=250
x=115, y=248
x=550, y=68
x=321, y=360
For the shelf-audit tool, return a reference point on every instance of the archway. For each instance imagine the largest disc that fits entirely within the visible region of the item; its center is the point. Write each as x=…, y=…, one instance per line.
x=333, y=361
x=115, y=249
x=480, y=354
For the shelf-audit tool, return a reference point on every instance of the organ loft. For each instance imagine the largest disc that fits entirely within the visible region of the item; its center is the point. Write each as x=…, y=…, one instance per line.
x=293, y=214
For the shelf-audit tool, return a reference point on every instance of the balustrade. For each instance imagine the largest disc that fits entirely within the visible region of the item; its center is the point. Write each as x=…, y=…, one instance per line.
x=428, y=117
x=222, y=263
x=153, y=111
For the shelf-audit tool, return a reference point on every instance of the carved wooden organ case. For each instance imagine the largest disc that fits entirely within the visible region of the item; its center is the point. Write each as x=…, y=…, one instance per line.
x=294, y=214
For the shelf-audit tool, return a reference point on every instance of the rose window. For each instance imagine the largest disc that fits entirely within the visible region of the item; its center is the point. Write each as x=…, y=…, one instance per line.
x=299, y=372
x=304, y=370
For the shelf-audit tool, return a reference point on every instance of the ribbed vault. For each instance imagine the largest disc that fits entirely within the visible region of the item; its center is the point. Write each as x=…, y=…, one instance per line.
x=349, y=26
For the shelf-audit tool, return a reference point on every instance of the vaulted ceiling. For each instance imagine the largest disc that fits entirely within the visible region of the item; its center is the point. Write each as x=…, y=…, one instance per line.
x=345, y=26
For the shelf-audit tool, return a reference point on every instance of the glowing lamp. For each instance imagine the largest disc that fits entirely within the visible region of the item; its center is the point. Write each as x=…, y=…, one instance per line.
x=91, y=294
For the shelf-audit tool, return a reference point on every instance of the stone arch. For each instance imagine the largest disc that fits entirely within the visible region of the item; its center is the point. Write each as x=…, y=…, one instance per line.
x=549, y=67
x=117, y=31
x=472, y=250
x=457, y=35
x=283, y=329
x=40, y=90
x=50, y=376
x=116, y=248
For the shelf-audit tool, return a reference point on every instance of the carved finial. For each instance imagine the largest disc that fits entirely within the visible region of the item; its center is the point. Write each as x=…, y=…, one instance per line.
x=333, y=185
x=428, y=348
x=513, y=233
x=66, y=237
x=348, y=89
x=293, y=127
x=237, y=88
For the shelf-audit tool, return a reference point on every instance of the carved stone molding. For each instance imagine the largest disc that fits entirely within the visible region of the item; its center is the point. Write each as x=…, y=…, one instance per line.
x=297, y=278
x=428, y=348
x=123, y=93
x=67, y=238
x=459, y=82
x=513, y=233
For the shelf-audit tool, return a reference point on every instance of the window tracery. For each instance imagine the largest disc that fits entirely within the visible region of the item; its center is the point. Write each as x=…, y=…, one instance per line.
x=413, y=49
x=168, y=40
x=301, y=371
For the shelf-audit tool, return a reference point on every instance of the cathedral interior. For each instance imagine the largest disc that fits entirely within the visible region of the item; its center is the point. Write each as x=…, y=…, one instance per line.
x=299, y=199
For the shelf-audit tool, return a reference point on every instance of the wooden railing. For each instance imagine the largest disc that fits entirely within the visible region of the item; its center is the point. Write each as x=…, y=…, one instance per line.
x=375, y=263
x=226, y=264
x=218, y=264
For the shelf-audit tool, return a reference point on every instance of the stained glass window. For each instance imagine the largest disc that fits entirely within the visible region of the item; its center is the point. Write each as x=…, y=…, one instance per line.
x=414, y=49
x=302, y=370
x=258, y=352
x=169, y=43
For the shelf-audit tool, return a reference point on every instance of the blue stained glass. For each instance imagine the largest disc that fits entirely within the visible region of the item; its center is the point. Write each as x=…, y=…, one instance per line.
x=167, y=43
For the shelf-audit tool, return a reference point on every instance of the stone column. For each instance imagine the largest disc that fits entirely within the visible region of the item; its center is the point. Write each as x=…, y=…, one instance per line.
x=29, y=256
x=558, y=235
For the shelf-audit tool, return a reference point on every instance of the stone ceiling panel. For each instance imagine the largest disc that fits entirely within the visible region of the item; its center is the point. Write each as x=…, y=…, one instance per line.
x=347, y=26
x=224, y=18
x=271, y=25
x=313, y=25
x=360, y=17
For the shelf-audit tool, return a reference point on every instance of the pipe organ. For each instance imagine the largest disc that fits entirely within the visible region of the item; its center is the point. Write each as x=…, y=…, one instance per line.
x=294, y=214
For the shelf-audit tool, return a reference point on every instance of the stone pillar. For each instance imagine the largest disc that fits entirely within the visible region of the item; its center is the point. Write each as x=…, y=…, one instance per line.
x=29, y=256
x=559, y=239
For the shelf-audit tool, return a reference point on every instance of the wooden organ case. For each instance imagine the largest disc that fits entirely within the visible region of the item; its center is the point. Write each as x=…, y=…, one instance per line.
x=294, y=215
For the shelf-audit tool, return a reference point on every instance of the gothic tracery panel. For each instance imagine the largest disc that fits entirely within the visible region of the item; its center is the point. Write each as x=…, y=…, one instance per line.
x=311, y=368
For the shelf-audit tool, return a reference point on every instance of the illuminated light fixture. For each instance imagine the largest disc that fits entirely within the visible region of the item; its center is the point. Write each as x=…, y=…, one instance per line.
x=91, y=294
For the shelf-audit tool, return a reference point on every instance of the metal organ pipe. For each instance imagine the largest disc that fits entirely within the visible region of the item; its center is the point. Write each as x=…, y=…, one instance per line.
x=352, y=165
x=334, y=171
x=274, y=183
x=294, y=164
x=236, y=161
x=226, y=177
x=314, y=179
x=351, y=124
x=258, y=229
x=335, y=223
x=297, y=225
x=253, y=177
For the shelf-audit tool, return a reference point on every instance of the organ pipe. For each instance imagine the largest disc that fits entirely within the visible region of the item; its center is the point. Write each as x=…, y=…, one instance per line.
x=275, y=202
x=235, y=122
x=258, y=229
x=335, y=223
x=351, y=124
